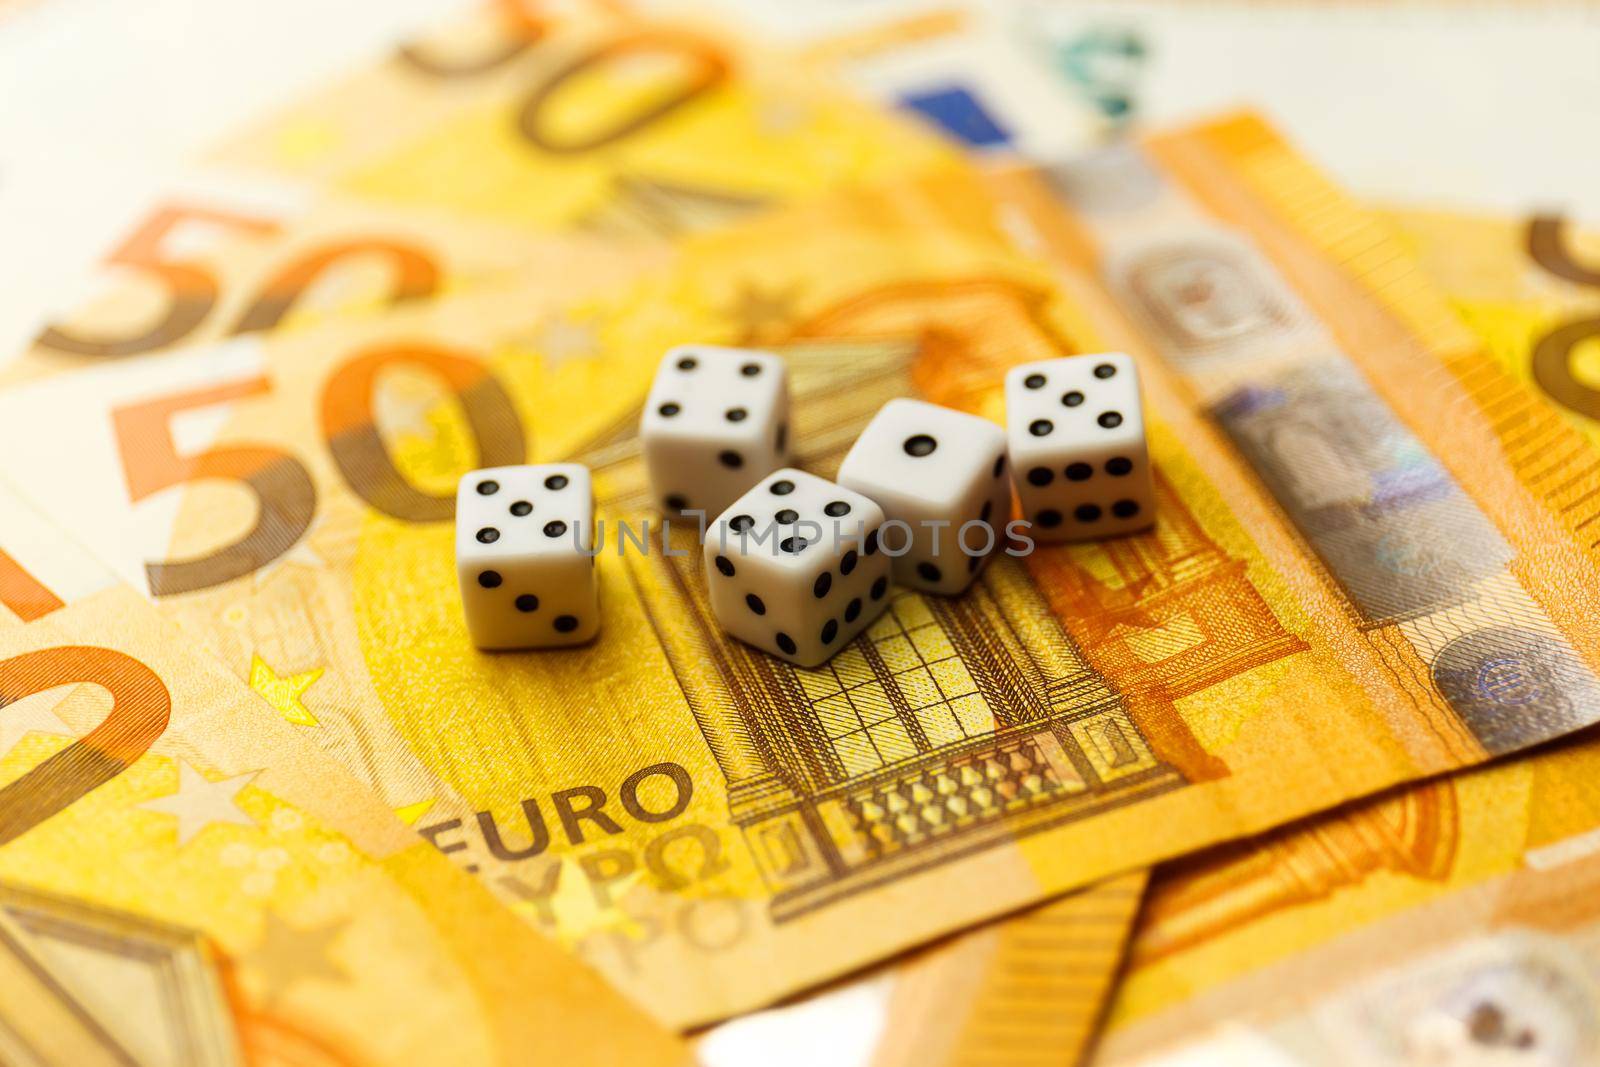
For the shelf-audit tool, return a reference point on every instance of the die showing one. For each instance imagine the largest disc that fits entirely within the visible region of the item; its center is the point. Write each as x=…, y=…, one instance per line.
x=525, y=556
x=794, y=566
x=716, y=422
x=1075, y=428
x=942, y=473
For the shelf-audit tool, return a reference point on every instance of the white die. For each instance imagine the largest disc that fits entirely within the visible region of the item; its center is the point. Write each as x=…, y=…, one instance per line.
x=716, y=422
x=525, y=556
x=943, y=474
x=794, y=567
x=1075, y=427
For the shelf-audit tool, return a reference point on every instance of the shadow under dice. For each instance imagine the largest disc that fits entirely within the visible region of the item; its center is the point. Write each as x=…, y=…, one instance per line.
x=940, y=476
x=715, y=423
x=1075, y=428
x=794, y=567
x=524, y=556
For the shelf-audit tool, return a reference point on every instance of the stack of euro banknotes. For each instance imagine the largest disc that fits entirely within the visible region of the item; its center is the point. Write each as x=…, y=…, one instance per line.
x=1302, y=776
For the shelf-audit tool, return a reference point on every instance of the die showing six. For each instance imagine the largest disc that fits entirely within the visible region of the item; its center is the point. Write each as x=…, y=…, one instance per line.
x=797, y=565
x=715, y=423
x=1075, y=427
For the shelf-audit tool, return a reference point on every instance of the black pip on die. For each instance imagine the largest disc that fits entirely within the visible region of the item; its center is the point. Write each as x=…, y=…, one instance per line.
x=715, y=423
x=794, y=567
x=525, y=556
x=1075, y=428
x=940, y=476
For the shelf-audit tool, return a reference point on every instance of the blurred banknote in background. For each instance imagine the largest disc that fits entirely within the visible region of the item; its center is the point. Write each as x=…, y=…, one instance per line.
x=1029, y=991
x=40, y=1021
x=1530, y=288
x=1044, y=78
x=437, y=165
x=1454, y=922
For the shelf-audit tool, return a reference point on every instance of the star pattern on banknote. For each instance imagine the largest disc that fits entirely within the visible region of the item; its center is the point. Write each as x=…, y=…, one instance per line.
x=760, y=312
x=285, y=691
x=562, y=338
x=303, y=553
x=581, y=913
x=288, y=954
x=407, y=413
x=200, y=802
x=31, y=716
x=410, y=813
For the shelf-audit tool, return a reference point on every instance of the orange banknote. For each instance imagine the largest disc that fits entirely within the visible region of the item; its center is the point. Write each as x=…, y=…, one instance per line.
x=185, y=879
x=1348, y=585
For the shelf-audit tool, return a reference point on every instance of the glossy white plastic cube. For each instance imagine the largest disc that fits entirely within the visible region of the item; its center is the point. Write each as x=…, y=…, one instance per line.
x=525, y=556
x=715, y=423
x=794, y=567
x=942, y=474
x=1076, y=434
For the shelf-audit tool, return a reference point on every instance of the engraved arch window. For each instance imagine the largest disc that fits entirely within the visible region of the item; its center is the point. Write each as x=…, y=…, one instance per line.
x=901, y=692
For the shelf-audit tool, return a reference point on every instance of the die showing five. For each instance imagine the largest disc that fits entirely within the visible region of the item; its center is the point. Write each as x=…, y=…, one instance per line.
x=524, y=556
x=795, y=567
x=795, y=564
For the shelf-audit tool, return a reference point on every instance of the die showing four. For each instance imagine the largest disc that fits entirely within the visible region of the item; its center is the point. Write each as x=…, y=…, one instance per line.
x=941, y=478
x=1075, y=428
x=525, y=556
x=715, y=423
x=794, y=566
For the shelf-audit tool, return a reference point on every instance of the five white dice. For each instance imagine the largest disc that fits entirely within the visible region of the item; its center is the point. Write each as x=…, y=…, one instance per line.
x=525, y=556
x=1076, y=433
x=794, y=566
x=716, y=422
x=940, y=476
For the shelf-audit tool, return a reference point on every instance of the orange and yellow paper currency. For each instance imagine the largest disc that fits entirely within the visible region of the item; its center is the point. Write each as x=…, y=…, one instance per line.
x=185, y=879
x=1349, y=586
x=1530, y=288
x=1455, y=922
x=506, y=144
x=41, y=1022
x=1418, y=927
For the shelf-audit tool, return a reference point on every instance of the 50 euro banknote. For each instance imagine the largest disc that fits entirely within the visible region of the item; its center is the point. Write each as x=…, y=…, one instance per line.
x=186, y=880
x=1348, y=585
x=629, y=124
x=1452, y=922
x=1419, y=926
x=504, y=143
x=1235, y=944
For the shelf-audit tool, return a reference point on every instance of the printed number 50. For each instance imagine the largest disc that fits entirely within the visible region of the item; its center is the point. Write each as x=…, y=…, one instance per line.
x=285, y=498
